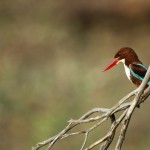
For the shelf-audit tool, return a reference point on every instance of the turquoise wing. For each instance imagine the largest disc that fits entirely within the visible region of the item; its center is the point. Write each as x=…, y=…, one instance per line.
x=139, y=70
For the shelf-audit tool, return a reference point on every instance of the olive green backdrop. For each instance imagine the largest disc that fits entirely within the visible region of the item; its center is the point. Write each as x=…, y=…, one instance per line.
x=51, y=58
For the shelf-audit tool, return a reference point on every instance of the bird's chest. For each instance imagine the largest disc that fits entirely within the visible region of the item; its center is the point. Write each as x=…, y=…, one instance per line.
x=127, y=71
x=132, y=78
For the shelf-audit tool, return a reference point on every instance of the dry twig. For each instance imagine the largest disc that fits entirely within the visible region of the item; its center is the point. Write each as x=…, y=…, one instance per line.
x=123, y=120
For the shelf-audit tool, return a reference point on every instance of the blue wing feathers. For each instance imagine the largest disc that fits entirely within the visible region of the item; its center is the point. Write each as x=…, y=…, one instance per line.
x=139, y=70
x=143, y=66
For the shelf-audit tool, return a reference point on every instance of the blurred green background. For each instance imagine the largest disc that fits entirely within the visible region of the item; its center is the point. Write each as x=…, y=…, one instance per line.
x=51, y=58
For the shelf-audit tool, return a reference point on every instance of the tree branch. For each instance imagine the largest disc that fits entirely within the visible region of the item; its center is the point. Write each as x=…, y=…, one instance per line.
x=126, y=109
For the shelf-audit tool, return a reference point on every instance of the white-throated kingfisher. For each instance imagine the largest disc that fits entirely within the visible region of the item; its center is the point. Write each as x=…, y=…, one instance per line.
x=134, y=68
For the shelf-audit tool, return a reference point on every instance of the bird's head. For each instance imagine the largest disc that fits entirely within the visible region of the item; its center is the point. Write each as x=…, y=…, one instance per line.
x=125, y=55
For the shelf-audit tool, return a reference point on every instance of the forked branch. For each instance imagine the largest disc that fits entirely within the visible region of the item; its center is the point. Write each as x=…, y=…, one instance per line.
x=126, y=108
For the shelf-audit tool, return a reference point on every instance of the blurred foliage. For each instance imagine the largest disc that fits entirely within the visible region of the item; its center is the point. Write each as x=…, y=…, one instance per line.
x=51, y=57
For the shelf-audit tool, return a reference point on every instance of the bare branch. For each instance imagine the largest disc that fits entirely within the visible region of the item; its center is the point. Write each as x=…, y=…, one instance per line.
x=126, y=109
x=131, y=109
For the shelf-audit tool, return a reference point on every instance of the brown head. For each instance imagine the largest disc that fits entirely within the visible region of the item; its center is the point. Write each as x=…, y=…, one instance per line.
x=125, y=54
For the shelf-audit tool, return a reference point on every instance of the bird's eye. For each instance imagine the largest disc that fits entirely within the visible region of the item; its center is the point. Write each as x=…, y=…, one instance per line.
x=118, y=55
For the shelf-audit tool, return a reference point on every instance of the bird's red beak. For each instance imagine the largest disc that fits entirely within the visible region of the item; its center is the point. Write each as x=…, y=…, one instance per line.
x=111, y=64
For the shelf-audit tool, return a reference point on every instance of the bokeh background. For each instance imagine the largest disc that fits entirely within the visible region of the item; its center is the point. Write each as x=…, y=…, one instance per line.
x=51, y=58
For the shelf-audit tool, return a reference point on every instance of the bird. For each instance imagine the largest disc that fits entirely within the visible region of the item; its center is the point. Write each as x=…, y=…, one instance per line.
x=134, y=68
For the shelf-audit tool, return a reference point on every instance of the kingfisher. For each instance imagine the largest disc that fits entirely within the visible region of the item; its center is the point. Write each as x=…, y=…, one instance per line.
x=134, y=68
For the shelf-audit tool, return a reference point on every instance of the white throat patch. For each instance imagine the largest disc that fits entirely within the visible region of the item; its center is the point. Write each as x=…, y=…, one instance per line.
x=127, y=70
